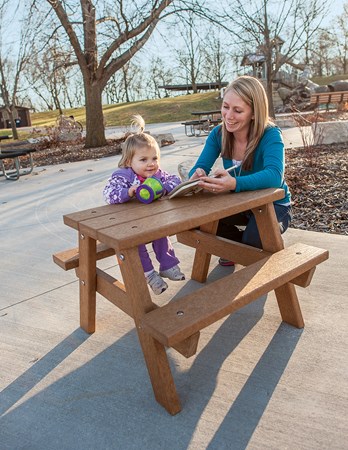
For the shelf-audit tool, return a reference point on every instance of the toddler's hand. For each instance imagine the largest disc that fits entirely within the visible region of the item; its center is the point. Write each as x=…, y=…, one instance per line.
x=132, y=190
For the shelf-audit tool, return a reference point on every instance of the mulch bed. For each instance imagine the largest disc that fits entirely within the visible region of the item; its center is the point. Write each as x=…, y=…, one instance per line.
x=318, y=180
x=317, y=177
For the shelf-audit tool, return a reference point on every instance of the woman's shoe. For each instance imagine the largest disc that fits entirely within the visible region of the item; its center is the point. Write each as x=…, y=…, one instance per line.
x=225, y=262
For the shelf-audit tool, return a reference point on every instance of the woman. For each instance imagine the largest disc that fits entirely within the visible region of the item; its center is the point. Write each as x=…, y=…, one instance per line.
x=248, y=140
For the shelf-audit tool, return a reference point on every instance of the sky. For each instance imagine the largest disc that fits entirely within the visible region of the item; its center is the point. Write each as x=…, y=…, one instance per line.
x=154, y=47
x=336, y=10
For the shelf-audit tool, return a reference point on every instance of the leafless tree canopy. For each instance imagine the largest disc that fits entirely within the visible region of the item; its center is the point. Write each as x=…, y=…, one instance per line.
x=73, y=52
x=259, y=25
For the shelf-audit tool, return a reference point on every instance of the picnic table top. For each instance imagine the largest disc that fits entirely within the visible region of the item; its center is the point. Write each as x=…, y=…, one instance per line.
x=201, y=113
x=130, y=224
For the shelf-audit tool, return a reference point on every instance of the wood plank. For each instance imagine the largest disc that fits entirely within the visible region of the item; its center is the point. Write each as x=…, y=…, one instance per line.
x=73, y=219
x=69, y=259
x=191, y=213
x=202, y=258
x=114, y=291
x=154, y=352
x=179, y=319
x=305, y=279
x=126, y=217
x=272, y=241
x=87, y=248
x=224, y=248
x=234, y=251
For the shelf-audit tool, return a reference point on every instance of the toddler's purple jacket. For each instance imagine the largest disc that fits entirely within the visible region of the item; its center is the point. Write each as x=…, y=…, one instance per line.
x=116, y=189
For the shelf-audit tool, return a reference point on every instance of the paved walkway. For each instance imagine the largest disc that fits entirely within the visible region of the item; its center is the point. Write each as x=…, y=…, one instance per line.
x=255, y=382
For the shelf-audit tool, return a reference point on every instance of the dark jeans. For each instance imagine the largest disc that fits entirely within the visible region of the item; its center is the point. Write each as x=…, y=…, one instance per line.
x=242, y=227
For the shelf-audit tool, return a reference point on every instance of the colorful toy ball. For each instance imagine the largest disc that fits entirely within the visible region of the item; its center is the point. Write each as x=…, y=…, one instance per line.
x=152, y=189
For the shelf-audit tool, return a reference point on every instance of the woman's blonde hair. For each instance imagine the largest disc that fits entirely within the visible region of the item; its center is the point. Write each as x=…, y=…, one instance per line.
x=136, y=140
x=252, y=92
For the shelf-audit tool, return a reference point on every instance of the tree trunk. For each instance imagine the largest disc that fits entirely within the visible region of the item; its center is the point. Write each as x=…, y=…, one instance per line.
x=95, y=133
x=13, y=124
x=269, y=87
x=270, y=98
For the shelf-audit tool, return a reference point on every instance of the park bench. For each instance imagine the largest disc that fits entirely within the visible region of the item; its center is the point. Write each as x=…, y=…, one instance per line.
x=328, y=99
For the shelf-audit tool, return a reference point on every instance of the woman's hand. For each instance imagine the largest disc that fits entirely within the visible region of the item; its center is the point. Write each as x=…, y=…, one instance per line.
x=198, y=174
x=221, y=181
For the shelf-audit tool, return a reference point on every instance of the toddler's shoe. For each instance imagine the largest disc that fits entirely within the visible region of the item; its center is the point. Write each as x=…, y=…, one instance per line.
x=174, y=274
x=225, y=262
x=156, y=283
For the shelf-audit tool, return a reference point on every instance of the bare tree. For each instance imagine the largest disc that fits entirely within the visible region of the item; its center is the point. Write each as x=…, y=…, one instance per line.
x=190, y=58
x=341, y=33
x=216, y=59
x=322, y=53
x=158, y=75
x=329, y=48
x=48, y=76
x=261, y=25
x=12, y=64
x=125, y=85
x=118, y=30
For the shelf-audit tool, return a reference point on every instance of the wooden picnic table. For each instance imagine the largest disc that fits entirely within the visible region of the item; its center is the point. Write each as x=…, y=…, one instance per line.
x=119, y=229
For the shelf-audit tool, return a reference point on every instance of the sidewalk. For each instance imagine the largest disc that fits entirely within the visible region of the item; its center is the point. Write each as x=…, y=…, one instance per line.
x=254, y=383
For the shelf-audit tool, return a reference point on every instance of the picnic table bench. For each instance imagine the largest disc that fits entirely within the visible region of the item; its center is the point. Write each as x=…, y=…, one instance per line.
x=205, y=122
x=328, y=99
x=120, y=229
x=13, y=152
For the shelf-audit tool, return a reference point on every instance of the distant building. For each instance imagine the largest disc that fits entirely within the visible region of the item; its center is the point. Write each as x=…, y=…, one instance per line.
x=21, y=115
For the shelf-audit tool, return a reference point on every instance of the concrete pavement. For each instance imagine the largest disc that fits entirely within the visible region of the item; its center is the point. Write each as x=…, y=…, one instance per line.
x=255, y=382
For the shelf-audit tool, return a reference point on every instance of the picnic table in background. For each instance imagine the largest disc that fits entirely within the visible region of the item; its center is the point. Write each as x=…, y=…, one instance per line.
x=13, y=152
x=204, y=122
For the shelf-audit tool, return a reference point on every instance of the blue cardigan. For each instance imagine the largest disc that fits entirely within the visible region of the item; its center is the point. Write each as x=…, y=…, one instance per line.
x=268, y=164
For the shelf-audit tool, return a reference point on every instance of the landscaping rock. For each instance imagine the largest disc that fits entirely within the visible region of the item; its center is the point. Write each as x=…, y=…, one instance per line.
x=330, y=132
x=164, y=139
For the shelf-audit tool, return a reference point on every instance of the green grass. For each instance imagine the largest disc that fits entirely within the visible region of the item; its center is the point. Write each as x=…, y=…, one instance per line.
x=172, y=109
x=322, y=81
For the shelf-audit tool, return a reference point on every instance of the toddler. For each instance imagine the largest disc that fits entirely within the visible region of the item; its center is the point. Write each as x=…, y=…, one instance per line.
x=140, y=160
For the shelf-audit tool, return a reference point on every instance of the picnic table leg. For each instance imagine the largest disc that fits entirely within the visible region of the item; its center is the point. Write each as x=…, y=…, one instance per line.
x=87, y=278
x=202, y=259
x=272, y=241
x=154, y=353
